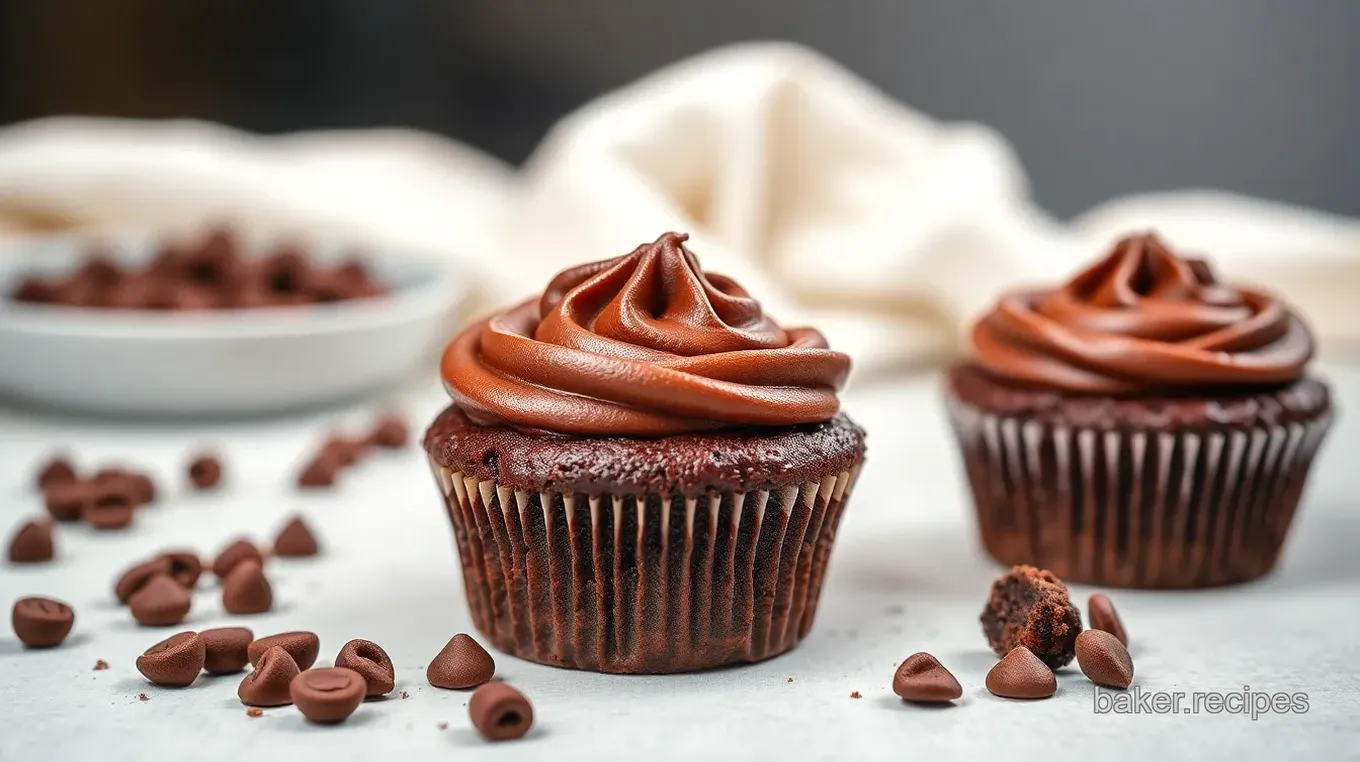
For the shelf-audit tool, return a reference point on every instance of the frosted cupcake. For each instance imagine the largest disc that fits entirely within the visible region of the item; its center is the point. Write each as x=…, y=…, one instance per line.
x=1143, y=425
x=644, y=472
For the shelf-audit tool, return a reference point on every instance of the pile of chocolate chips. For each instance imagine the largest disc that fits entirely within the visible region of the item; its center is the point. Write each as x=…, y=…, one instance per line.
x=213, y=272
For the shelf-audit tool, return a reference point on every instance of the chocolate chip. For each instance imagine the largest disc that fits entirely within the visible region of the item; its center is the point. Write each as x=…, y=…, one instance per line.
x=268, y=684
x=1030, y=607
x=303, y=647
x=173, y=662
x=295, y=540
x=327, y=695
x=320, y=471
x=343, y=450
x=65, y=500
x=233, y=554
x=1104, y=659
x=185, y=566
x=142, y=487
x=205, y=471
x=133, y=579
x=161, y=602
x=226, y=649
x=463, y=663
x=110, y=508
x=32, y=544
x=58, y=470
x=1100, y=609
x=41, y=622
x=923, y=679
x=500, y=713
x=1021, y=675
x=371, y=661
x=246, y=590
x=390, y=432
x=138, y=487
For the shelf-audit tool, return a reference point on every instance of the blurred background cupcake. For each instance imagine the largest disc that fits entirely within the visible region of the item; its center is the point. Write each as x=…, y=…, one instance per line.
x=1143, y=425
x=643, y=471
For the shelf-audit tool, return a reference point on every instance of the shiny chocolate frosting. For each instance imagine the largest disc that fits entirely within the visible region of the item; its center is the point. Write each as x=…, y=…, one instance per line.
x=646, y=345
x=1143, y=320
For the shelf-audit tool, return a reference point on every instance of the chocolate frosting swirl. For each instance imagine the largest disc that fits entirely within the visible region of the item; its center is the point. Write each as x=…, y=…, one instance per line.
x=646, y=344
x=1143, y=320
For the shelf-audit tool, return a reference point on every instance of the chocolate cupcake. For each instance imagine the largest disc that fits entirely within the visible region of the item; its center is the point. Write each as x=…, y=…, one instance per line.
x=644, y=472
x=1144, y=425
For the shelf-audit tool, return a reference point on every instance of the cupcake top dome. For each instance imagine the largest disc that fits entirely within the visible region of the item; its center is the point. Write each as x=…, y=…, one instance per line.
x=646, y=344
x=1143, y=320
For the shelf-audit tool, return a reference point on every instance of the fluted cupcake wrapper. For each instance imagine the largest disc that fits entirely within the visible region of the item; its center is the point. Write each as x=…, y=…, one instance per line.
x=644, y=582
x=1135, y=508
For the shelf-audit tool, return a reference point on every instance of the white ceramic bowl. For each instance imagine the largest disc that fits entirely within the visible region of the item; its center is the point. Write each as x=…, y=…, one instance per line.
x=217, y=362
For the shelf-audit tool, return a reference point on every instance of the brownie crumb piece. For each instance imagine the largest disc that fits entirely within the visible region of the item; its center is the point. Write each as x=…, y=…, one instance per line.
x=1030, y=607
x=443, y=726
x=143, y=697
x=100, y=665
x=404, y=694
x=790, y=680
x=855, y=695
x=253, y=712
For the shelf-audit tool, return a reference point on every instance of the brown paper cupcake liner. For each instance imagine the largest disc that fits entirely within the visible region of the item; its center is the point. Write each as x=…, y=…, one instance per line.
x=633, y=583
x=1135, y=508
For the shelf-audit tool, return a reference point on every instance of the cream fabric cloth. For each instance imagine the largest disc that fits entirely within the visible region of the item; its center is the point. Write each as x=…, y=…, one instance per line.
x=833, y=204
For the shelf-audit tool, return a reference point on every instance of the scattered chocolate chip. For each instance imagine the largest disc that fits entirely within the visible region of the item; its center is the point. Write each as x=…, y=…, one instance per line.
x=65, y=500
x=160, y=602
x=41, y=622
x=173, y=662
x=100, y=665
x=226, y=649
x=923, y=679
x=327, y=695
x=303, y=647
x=1103, y=617
x=1030, y=607
x=370, y=660
x=462, y=663
x=320, y=471
x=268, y=684
x=133, y=579
x=246, y=590
x=233, y=554
x=295, y=540
x=500, y=713
x=32, y=544
x=343, y=451
x=58, y=470
x=205, y=471
x=1104, y=659
x=110, y=508
x=185, y=566
x=390, y=432
x=1021, y=675
x=253, y=712
x=142, y=487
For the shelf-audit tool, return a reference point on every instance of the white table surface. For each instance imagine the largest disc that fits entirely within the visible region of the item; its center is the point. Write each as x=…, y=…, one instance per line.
x=907, y=575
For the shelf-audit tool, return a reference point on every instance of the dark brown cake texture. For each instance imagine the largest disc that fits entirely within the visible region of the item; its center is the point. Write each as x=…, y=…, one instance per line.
x=606, y=601
x=1030, y=607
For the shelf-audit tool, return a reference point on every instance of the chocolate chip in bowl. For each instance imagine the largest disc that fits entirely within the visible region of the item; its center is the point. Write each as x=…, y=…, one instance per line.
x=248, y=326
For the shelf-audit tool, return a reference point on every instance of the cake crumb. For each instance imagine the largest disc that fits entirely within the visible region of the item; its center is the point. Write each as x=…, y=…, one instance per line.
x=100, y=665
x=252, y=712
x=143, y=697
x=404, y=694
x=790, y=680
x=855, y=695
x=443, y=726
